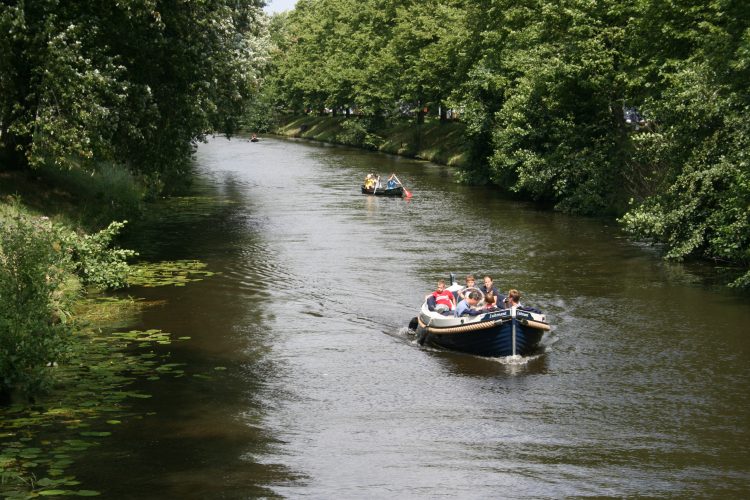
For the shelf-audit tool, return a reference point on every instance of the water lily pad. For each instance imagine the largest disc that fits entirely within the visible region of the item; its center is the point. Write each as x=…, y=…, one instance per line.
x=168, y=273
x=92, y=380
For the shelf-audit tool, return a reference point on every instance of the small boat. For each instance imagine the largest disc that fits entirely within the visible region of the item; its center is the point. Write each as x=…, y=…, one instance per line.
x=381, y=191
x=254, y=138
x=502, y=332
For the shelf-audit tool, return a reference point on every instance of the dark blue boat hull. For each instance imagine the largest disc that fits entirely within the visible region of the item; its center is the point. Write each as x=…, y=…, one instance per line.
x=495, y=341
x=397, y=191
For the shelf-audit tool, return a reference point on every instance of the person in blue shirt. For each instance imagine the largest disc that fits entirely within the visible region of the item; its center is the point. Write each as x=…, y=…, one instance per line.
x=392, y=183
x=468, y=305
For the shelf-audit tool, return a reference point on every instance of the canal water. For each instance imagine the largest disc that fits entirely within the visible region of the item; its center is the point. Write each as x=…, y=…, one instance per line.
x=301, y=379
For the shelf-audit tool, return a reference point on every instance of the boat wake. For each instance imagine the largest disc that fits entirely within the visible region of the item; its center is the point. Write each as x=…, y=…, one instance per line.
x=516, y=360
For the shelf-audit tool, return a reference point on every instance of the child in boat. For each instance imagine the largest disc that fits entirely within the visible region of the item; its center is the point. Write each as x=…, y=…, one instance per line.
x=470, y=283
x=444, y=298
x=514, y=301
x=514, y=298
x=490, y=301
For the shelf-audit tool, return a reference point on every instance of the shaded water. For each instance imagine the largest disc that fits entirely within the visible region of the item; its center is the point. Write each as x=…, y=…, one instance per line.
x=643, y=390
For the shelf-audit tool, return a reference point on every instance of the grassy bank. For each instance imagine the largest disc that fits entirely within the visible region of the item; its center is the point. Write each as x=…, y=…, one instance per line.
x=84, y=201
x=442, y=143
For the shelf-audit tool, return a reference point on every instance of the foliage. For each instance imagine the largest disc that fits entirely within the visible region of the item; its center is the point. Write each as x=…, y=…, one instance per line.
x=34, y=269
x=40, y=443
x=356, y=133
x=43, y=266
x=424, y=53
x=168, y=273
x=542, y=87
x=434, y=141
x=97, y=263
x=90, y=199
x=701, y=135
x=136, y=81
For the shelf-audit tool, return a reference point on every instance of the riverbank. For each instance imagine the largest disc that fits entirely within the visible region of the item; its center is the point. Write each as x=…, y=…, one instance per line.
x=74, y=357
x=442, y=143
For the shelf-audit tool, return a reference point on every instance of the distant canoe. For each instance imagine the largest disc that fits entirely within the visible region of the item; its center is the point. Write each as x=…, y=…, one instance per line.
x=254, y=139
x=397, y=191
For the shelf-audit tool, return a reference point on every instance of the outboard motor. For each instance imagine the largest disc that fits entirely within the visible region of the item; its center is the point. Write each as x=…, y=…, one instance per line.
x=413, y=323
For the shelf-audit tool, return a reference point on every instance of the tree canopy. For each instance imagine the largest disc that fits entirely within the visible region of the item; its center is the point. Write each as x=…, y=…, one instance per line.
x=631, y=108
x=134, y=81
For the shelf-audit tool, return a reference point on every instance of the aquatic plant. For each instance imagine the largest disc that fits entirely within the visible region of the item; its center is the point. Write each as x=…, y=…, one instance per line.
x=168, y=273
x=38, y=443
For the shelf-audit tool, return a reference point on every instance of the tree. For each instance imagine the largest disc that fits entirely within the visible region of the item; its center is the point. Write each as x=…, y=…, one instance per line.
x=700, y=138
x=425, y=53
x=135, y=82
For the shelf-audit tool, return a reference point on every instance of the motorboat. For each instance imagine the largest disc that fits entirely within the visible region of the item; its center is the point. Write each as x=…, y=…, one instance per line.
x=515, y=331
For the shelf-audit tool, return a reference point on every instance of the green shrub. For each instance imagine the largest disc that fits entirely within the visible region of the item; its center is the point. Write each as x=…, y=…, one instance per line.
x=34, y=269
x=98, y=265
x=42, y=269
x=356, y=132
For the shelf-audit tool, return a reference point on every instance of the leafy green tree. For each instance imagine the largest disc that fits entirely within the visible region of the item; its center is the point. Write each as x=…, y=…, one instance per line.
x=698, y=141
x=135, y=82
x=425, y=52
x=557, y=131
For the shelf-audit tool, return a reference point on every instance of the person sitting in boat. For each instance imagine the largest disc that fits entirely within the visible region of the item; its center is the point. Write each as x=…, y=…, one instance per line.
x=370, y=181
x=392, y=182
x=514, y=298
x=468, y=306
x=490, y=302
x=470, y=283
x=514, y=301
x=488, y=287
x=444, y=299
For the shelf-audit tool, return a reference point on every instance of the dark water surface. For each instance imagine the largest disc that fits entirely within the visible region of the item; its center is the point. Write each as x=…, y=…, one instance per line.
x=642, y=392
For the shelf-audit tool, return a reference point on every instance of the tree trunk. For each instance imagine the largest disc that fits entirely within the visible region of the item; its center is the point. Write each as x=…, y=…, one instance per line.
x=13, y=151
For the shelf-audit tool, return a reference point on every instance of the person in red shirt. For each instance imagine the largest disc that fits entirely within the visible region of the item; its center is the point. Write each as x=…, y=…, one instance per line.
x=444, y=298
